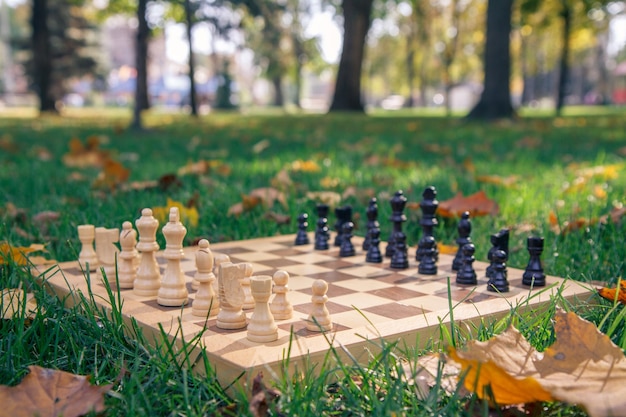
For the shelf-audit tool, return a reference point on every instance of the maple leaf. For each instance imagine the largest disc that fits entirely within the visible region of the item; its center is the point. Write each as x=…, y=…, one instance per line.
x=614, y=294
x=478, y=204
x=12, y=302
x=18, y=254
x=85, y=155
x=51, y=393
x=113, y=174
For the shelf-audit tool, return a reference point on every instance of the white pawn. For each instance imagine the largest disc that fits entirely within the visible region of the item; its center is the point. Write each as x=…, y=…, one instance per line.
x=319, y=319
x=148, y=279
x=262, y=328
x=231, y=316
x=126, y=272
x=206, y=303
x=281, y=307
x=248, y=301
x=106, y=250
x=87, y=255
x=173, y=291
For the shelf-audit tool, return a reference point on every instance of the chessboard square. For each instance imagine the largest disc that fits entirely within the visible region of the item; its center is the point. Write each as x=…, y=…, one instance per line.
x=396, y=293
x=297, y=297
x=395, y=311
x=429, y=303
x=253, y=256
x=304, y=269
x=362, y=284
x=357, y=258
x=398, y=279
x=359, y=318
x=299, y=282
x=367, y=271
x=333, y=308
x=310, y=258
x=286, y=252
x=336, y=264
x=256, y=245
x=233, y=250
x=278, y=263
x=332, y=276
x=360, y=300
x=333, y=291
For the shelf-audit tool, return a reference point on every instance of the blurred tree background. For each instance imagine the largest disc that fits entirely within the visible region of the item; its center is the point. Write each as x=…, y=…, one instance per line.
x=485, y=58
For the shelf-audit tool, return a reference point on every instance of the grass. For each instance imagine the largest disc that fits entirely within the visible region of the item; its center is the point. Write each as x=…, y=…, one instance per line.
x=375, y=154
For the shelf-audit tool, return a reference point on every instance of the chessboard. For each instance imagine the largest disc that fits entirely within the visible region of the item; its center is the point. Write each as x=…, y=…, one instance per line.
x=368, y=302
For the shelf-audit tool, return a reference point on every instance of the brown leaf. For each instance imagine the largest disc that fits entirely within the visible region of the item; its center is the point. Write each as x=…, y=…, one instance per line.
x=478, y=204
x=614, y=294
x=328, y=197
x=277, y=217
x=85, y=156
x=509, y=181
x=261, y=397
x=282, y=180
x=13, y=301
x=235, y=210
x=269, y=196
x=51, y=393
x=112, y=176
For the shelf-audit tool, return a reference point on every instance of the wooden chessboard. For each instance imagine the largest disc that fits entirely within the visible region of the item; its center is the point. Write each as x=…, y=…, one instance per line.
x=367, y=302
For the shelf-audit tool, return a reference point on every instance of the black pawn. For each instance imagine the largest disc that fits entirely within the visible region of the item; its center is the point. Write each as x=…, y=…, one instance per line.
x=498, y=281
x=343, y=215
x=347, y=248
x=322, y=234
x=464, y=229
x=499, y=241
x=533, y=275
x=400, y=258
x=466, y=274
x=428, y=263
x=373, y=252
x=428, y=206
x=302, y=237
x=397, y=202
x=372, y=222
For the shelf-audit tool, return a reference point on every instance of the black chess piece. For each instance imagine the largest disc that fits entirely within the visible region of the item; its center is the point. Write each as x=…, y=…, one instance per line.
x=302, y=237
x=464, y=230
x=533, y=275
x=397, y=202
x=373, y=252
x=400, y=257
x=428, y=206
x=466, y=274
x=372, y=222
x=428, y=263
x=499, y=241
x=347, y=248
x=322, y=234
x=498, y=281
x=343, y=215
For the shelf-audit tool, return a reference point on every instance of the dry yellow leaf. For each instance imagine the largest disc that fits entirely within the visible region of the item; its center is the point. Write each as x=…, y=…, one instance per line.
x=282, y=180
x=614, y=294
x=269, y=196
x=447, y=249
x=18, y=254
x=235, y=210
x=305, y=166
x=13, y=302
x=188, y=215
x=478, y=204
x=329, y=182
x=85, y=156
x=327, y=197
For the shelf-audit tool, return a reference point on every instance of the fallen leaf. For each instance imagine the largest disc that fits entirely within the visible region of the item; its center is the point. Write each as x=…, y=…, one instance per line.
x=18, y=254
x=262, y=397
x=269, y=196
x=260, y=146
x=13, y=301
x=235, y=210
x=282, y=180
x=51, y=393
x=250, y=201
x=509, y=181
x=188, y=215
x=329, y=182
x=113, y=174
x=605, y=172
x=305, y=166
x=277, y=217
x=85, y=156
x=327, y=197
x=447, y=249
x=469, y=166
x=431, y=370
x=169, y=182
x=7, y=144
x=478, y=204
x=614, y=294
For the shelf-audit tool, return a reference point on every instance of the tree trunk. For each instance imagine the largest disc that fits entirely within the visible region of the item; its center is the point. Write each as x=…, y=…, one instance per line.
x=566, y=15
x=279, y=99
x=42, y=56
x=141, y=62
x=347, y=96
x=410, y=72
x=192, y=69
x=495, y=100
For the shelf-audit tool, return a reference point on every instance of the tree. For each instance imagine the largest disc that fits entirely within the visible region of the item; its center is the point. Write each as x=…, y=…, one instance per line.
x=357, y=19
x=495, y=99
x=42, y=56
x=141, y=62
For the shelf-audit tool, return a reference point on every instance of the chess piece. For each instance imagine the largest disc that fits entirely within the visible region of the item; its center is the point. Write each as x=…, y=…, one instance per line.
x=428, y=206
x=321, y=231
x=231, y=297
x=428, y=263
x=400, y=258
x=302, y=238
x=262, y=328
x=126, y=272
x=107, y=251
x=206, y=303
x=347, y=248
x=280, y=307
x=373, y=252
x=372, y=222
x=466, y=274
x=148, y=279
x=319, y=318
x=498, y=281
x=344, y=215
x=248, y=300
x=397, y=202
x=533, y=275
x=218, y=259
x=464, y=229
x=499, y=241
x=87, y=256
x=173, y=291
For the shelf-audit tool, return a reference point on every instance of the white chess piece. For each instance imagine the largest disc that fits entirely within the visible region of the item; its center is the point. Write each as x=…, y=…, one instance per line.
x=248, y=301
x=126, y=272
x=281, y=307
x=231, y=316
x=148, y=279
x=87, y=255
x=262, y=328
x=206, y=303
x=319, y=319
x=107, y=251
x=173, y=291
x=218, y=259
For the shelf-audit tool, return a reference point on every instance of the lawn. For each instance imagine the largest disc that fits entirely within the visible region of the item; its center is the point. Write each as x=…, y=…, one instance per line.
x=558, y=178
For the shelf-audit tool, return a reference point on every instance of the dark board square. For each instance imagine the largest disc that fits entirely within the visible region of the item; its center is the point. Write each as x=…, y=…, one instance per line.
x=278, y=263
x=285, y=252
x=235, y=249
x=395, y=311
x=396, y=293
x=331, y=276
x=338, y=264
x=333, y=291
